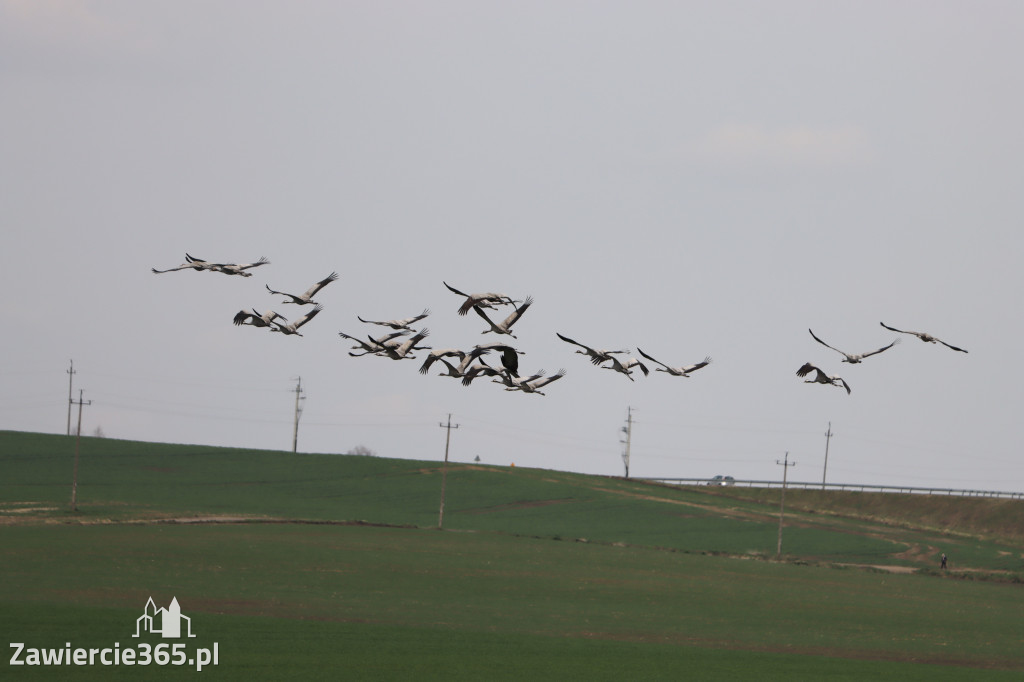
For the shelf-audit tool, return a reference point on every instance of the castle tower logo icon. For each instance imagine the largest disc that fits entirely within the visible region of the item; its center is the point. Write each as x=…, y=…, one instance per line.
x=166, y=622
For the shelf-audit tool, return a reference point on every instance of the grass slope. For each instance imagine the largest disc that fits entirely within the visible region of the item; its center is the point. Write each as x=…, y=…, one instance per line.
x=122, y=480
x=495, y=597
x=999, y=519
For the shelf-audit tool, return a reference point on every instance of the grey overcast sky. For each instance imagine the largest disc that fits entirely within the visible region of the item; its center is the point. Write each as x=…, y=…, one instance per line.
x=693, y=178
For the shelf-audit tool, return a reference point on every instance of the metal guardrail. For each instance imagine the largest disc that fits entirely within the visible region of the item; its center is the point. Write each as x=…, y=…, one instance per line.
x=856, y=487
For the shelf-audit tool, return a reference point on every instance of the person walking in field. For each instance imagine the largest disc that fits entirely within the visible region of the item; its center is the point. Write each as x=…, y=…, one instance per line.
x=943, y=561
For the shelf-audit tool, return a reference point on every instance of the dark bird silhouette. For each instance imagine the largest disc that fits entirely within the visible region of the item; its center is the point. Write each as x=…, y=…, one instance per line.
x=509, y=355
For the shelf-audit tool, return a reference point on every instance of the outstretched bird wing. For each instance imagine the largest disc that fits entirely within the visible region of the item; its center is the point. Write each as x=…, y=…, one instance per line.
x=467, y=304
x=280, y=293
x=310, y=292
x=828, y=346
x=481, y=313
x=453, y=289
x=245, y=266
x=575, y=343
x=894, y=329
x=307, y=317
x=417, y=318
x=806, y=369
x=511, y=319
x=694, y=368
x=657, y=362
x=950, y=346
x=883, y=348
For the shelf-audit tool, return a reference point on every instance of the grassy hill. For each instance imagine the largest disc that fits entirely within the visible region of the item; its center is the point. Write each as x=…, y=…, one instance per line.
x=126, y=480
x=986, y=517
x=320, y=567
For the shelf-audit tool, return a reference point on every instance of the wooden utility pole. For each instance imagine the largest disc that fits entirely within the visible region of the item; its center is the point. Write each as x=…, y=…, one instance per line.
x=78, y=440
x=71, y=401
x=782, y=505
x=298, y=413
x=444, y=471
x=828, y=437
x=628, y=430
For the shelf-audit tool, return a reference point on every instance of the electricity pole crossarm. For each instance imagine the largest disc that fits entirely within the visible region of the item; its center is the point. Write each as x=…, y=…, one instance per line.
x=444, y=472
x=782, y=505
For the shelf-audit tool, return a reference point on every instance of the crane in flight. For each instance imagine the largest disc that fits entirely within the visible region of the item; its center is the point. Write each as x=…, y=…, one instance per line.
x=292, y=328
x=927, y=338
x=820, y=377
x=853, y=359
x=481, y=368
x=596, y=356
x=306, y=298
x=534, y=384
x=400, y=351
x=255, y=318
x=439, y=353
x=625, y=366
x=486, y=300
x=190, y=263
x=509, y=355
x=231, y=268
x=676, y=371
x=373, y=346
x=399, y=324
x=505, y=326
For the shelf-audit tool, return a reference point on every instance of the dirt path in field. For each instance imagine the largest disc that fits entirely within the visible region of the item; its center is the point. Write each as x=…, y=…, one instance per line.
x=878, y=567
x=30, y=515
x=725, y=511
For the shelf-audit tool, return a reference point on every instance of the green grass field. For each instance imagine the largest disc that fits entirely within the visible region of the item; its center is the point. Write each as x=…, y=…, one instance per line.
x=328, y=567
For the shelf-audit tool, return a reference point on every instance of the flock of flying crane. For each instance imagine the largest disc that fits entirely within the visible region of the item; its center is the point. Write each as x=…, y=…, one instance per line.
x=470, y=363
x=820, y=377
